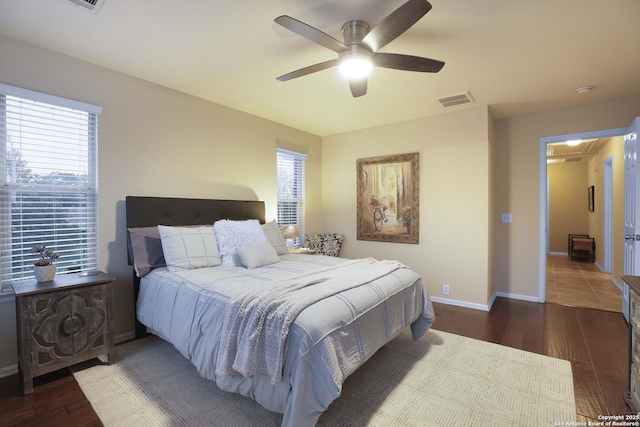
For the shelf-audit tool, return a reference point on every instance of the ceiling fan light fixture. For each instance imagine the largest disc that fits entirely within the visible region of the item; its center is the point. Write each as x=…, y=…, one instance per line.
x=355, y=67
x=359, y=53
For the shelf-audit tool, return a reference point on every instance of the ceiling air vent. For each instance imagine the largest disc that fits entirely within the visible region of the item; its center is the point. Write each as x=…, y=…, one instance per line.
x=571, y=159
x=586, y=148
x=90, y=5
x=455, y=99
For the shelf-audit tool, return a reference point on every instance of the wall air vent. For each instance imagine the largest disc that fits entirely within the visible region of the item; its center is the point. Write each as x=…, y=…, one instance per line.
x=571, y=159
x=89, y=5
x=455, y=99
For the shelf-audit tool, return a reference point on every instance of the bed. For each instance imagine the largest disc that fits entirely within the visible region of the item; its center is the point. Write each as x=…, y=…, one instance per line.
x=342, y=311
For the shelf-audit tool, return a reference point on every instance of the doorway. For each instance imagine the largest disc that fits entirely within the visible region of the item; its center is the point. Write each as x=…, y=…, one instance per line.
x=606, y=239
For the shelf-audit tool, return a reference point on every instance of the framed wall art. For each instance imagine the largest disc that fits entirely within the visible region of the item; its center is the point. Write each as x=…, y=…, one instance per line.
x=591, y=196
x=388, y=198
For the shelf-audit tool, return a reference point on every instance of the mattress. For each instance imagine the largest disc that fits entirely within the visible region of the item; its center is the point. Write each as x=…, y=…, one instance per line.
x=327, y=342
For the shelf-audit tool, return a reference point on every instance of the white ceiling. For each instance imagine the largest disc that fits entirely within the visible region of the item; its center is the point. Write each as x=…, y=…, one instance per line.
x=517, y=56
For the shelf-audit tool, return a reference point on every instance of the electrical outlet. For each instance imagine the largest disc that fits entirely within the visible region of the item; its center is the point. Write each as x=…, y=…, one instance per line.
x=506, y=218
x=445, y=289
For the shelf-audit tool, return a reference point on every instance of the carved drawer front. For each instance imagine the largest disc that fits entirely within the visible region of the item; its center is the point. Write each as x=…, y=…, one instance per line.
x=68, y=324
x=635, y=347
x=634, y=308
x=634, y=388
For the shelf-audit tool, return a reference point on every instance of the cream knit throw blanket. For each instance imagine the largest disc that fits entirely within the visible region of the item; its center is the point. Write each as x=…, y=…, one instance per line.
x=256, y=323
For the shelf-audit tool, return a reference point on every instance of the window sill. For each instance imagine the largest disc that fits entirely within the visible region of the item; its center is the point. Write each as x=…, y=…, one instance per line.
x=6, y=294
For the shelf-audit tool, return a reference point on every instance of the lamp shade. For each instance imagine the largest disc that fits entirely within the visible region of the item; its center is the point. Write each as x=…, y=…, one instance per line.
x=290, y=231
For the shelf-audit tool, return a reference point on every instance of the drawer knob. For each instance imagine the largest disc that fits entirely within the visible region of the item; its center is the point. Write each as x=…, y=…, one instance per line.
x=71, y=325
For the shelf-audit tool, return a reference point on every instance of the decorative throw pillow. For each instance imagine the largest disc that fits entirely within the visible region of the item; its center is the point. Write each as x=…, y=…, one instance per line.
x=145, y=249
x=253, y=256
x=274, y=234
x=325, y=244
x=187, y=248
x=233, y=234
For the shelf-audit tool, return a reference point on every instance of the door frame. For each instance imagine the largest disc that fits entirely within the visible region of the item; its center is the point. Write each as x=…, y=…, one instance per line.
x=607, y=265
x=542, y=245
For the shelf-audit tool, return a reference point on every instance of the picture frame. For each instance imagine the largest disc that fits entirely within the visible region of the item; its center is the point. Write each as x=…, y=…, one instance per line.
x=591, y=196
x=388, y=198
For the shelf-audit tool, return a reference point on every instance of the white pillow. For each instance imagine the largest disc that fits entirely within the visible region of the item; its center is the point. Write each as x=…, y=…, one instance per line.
x=233, y=234
x=187, y=248
x=274, y=234
x=253, y=256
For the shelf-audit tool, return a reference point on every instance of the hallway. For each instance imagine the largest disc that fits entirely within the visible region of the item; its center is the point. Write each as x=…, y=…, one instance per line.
x=580, y=284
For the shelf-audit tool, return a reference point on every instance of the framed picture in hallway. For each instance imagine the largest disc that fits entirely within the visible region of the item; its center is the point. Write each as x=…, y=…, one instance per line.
x=590, y=194
x=388, y=198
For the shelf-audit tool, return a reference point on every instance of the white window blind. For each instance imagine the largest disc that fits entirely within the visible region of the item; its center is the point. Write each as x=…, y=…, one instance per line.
x=48, y=155
x=291, y=190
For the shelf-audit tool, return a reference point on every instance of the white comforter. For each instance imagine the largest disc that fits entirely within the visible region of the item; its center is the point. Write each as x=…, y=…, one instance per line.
x=326, y=343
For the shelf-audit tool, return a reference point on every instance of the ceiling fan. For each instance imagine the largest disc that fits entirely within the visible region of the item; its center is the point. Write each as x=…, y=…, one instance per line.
x=359, y=52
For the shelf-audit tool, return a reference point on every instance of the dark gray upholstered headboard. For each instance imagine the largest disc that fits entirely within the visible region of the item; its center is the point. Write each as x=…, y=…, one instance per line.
x=151, y=211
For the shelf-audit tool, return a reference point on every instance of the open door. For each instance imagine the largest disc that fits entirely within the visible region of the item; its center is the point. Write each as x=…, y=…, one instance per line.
x=631, y=208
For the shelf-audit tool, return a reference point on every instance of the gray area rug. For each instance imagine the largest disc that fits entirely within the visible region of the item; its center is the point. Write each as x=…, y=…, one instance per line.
x=440, y=380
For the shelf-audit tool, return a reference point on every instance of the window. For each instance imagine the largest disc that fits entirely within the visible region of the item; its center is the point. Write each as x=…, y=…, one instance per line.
x=291, y=190
x=49, y=192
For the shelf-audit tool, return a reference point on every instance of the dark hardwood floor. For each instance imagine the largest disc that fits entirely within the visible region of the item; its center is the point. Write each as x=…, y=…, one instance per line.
x=594, y=341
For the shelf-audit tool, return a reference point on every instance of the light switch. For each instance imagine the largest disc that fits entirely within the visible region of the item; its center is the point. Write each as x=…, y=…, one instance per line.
x=506, y=217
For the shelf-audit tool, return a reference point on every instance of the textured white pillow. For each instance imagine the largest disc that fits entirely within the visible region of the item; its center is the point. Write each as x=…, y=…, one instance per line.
x=187, y=248
x=253, y=256
x=274, y=234
x=233, y=234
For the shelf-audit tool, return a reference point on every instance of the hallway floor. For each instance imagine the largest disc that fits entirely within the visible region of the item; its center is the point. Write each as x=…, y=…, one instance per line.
x=580, y=284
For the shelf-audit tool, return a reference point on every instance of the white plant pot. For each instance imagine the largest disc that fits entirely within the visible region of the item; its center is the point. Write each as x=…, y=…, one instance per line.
x=45, y=273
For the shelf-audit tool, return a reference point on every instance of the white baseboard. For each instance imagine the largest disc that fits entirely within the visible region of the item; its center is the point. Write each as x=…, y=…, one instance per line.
x=517, y=296
x=559, y=253
x=599, y=266
x=458, y=303
x=6, y=371
x=618, y=285
x=483, y=307
x=492, y=300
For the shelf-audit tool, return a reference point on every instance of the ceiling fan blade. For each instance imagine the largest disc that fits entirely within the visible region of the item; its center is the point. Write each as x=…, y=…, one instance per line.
x=396, y=23
x=310, y=33
x=358, y=86
x=406, y=62
x=308, y=70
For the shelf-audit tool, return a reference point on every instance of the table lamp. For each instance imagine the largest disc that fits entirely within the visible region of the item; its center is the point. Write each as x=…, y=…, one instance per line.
x=290, y=232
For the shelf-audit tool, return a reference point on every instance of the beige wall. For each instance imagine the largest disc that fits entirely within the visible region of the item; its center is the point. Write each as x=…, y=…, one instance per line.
x=455, y=196
x=154, y=141
x=517, y=183
x=614, y=150
x=568, y=207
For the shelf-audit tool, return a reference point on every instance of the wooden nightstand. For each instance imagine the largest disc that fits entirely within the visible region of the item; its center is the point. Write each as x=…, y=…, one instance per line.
x=62, y=322
x=305, y=251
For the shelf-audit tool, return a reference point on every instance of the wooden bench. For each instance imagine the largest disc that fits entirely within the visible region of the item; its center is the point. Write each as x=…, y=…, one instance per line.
x=583, y=248
x=571, y=236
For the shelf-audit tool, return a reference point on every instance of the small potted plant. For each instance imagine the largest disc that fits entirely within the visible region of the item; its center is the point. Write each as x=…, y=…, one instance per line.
x=44, y=268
